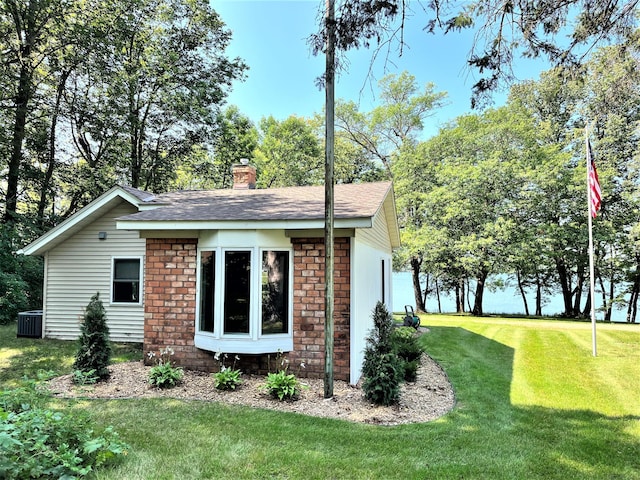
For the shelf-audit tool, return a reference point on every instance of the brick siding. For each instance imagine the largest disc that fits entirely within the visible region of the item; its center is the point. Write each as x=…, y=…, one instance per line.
x=170, y=301
x=170, y=307
x=308, y=306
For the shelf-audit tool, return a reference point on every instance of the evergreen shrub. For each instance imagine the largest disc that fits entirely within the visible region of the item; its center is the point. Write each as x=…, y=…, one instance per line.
x=94, y=351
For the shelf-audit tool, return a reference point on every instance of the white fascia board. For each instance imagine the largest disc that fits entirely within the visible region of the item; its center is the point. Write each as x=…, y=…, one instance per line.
x=44, y=243
x=142, y=225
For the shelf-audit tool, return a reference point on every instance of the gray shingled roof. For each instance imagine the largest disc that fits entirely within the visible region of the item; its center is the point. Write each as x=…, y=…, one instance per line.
x=361, y=200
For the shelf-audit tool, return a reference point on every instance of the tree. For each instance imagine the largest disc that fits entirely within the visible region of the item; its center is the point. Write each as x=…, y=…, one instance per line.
x=396, y=122
x=151, y=94
x=235, y=138
x=94, y=351
x=32, y=31
x=503, y=28
x=289, y=153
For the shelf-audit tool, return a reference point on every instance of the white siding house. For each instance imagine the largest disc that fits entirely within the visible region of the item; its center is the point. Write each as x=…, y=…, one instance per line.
x=78, y=262
x=103, y=248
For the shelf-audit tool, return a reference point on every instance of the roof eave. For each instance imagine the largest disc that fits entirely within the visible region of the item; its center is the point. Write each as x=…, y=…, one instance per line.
x=57, y=234
x=156, y=225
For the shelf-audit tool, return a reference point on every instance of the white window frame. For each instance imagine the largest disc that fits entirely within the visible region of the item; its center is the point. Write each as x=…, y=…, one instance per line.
x=140, y=279
x=255, y=342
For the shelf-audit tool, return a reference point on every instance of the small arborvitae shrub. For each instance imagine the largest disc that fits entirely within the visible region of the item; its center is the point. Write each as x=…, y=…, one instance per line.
x=405, y=345
x=381, y=369
x=228, y=378
x=94, y=351
x=165, y=374
x=382, y=387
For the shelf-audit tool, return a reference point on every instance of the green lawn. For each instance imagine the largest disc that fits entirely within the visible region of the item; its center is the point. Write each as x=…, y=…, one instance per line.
x=532, y=404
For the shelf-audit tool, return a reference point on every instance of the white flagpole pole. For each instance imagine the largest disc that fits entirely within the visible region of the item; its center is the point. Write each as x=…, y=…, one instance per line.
x=591, y=266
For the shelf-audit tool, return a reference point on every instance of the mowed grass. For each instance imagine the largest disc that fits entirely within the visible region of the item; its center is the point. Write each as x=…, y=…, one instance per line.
x=532, y=403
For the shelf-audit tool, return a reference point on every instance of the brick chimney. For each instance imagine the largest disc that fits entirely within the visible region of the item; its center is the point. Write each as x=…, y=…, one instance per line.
x=244, y=175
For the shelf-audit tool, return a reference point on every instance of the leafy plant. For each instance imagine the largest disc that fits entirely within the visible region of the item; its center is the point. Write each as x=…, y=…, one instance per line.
x=85, y=378
x=165, y=374
x=228, y=378
x=94, y=351
x=282, y=385
x=41, y=443
x=381, y=367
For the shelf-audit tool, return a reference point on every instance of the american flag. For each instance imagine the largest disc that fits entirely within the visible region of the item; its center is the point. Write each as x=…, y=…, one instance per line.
x=595, y=194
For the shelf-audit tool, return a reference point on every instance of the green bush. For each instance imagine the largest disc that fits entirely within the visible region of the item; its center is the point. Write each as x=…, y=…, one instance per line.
x=37, y=442
x=94, y=351
x=20, y=276
x=165, y=374
x=381, y=368
x=282, y=385
x=404, y=343
x=228, y=378
x=382, y=386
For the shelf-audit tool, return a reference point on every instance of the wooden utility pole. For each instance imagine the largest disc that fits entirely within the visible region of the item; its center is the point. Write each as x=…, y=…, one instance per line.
x=329, y=179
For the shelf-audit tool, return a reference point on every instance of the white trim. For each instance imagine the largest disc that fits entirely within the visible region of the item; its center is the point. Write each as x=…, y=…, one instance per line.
x=142, y=225
x=48, y=240
x=140, y=279
x=45, y=282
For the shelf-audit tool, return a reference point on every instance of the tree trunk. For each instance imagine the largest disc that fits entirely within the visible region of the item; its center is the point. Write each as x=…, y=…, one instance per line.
x=538, y=295
x=580, y=280
x=633, y=300
x=477, y=304
x=438, y=296
x=522, y=293
x=416, y=263
x=460, y=296
x=23, y=95
x=425, y=292
x=46, y=183
x=565, y=285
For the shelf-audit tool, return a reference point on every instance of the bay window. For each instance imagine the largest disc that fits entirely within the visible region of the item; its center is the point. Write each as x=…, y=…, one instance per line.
x=245, y=300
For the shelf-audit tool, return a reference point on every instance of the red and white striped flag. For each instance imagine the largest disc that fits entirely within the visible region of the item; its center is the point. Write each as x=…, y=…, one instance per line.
x=595, y=193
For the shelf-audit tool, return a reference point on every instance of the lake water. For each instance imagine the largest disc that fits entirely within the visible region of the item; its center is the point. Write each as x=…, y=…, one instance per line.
x=506, y=300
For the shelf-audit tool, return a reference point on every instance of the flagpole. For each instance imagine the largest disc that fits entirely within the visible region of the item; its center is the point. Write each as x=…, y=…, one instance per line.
x=591, y=266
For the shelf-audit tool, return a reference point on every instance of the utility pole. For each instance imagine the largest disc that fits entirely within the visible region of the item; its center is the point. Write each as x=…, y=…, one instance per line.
x=329, y=180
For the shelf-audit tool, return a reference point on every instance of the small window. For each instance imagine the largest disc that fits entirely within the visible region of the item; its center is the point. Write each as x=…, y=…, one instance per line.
x=275, y=292
x=126, y=280
x=207, y=283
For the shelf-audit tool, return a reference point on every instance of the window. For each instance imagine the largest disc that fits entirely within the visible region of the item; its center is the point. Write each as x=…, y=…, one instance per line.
x=275, y=292
x=126, y=280
x=244, y=300
x=207, y=281
x=237, y=291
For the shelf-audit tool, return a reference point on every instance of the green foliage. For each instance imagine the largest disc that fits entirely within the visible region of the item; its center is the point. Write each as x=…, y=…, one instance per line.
x=36, y=442
x=29, y=395
x=381, y=368
x=20, y=277
x=228, y=378
x=382, y=385
x=81, y=377
x=282, y=385
x=165, y=374
x=405, y=345
x=94, y=351
x=289, y=154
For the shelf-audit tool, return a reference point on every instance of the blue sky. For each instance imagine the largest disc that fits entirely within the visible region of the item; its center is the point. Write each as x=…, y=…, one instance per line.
x=271, y=36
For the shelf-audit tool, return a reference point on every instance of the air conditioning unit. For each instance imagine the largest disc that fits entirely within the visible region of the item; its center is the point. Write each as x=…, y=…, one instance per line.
x=30, y=324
